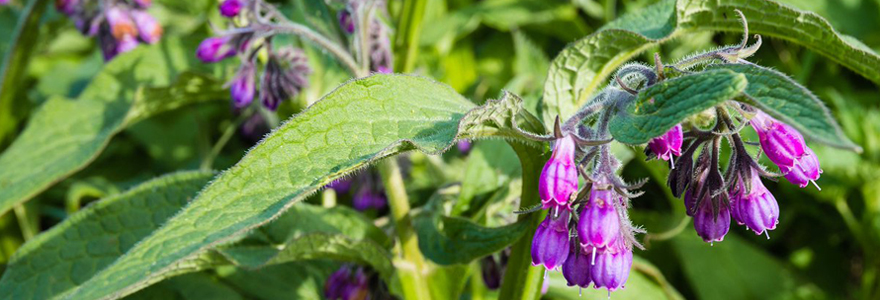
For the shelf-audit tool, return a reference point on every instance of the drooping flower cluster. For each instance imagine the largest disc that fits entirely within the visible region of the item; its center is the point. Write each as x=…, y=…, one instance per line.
x=369, y=194
x=119, y=25
x=374, y=38
x=347, y=283
x=285, y=72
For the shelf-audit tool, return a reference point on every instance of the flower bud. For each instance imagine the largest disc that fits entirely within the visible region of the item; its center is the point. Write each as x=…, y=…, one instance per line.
x=756, y=208
x=4, y=2
x=121, y=25
x=464, y=146
x=341, y=185
x=214, y=49
x=67, y=7
x=612, y=267
x=242, y=87
x=782, y=144
x=550, y=245
x=285, y=76
x=576, y=268
x=337, y=283
x=148, y=27
x=346, y=21
x=231, y=8
x=559, y=178
x=711, y=225
x=668, y=144
x=366, y=198
x=805, y=170
x=127, y=43
x=143, y=3
x=599, y=223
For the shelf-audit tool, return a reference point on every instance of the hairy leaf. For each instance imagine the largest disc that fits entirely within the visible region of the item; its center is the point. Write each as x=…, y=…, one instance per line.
x=579, y=70
x=785, y=99
x=297, y=280
x=359, y=123
x=68, y=254
x=452, y=240
x=660, y=106
x=65, y=135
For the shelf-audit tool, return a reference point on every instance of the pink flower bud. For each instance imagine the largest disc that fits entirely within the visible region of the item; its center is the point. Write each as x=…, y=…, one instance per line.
x=559, y=178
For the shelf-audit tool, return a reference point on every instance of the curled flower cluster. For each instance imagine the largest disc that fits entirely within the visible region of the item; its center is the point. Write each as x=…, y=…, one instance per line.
x=285, y=72
x=119, y=25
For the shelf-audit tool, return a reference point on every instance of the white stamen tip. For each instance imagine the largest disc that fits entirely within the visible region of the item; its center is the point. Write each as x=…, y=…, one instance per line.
x=767, y=233
x=815, y=184
x=593, y=262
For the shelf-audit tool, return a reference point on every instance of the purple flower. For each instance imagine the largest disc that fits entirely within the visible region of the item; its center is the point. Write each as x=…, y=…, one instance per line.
x=341, y=185
x=67, y=7
x=559, y=178
x=550, y=245
x=576, y=268
x=756, y=208
x=214, y=49
x=367, y=198
x=464, y=146
x=599, y=223
x=782, y=144
x=805, y=170
x=127, y=43
x=668, y=144
x=121, y=24
x=149, y=29
x=346, y=21
x=381, y=57
x=711, y=225
x=285, y=76
x=143, y=3
x=4, y=2
x=612, y=268
x=231, y=8
x=347, y=284
x=337, y=283
x=384, y=69
x=242, y=87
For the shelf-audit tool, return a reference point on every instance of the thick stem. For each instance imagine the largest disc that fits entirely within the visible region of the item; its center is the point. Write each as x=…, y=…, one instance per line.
x=412, y=278
x=522, y=280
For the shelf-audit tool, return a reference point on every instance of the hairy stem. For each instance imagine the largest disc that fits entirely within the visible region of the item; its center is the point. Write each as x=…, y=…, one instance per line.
x=522, y=280
x=412, y=278
x=208, y=161
x=304, y=32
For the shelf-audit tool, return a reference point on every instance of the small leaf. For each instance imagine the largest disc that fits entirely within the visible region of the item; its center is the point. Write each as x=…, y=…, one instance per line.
x=451, y=240
x=65, y=135
x=64, y=256
x=503, y=118
x=790, y=102
x=662, y=105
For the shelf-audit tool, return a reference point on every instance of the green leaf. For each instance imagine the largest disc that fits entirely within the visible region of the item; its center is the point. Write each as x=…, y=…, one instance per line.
x=65, y=135
x=360, y=122
x=790, y=102
x=66, y=255
x=579, y=70
x=503, y=118
x=490, y=165
x=298, y=280
x=452, y=240
x=638, y=286
x=660, y=106
x=749, y=272
x=194, y=286
x=15, y=61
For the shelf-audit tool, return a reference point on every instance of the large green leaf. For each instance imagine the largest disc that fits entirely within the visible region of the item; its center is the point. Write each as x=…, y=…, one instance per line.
x=16, y=56
x=68, y=254
x=64, y=135
x=358, y=123
x=296, y=280
x=580, y=69
x=785, y=99
x=196, y=286
x=662, y=105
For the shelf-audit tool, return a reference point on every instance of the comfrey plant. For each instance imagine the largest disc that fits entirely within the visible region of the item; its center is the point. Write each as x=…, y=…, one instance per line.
x=587, y=231
x=119, y=25
x=254, y=23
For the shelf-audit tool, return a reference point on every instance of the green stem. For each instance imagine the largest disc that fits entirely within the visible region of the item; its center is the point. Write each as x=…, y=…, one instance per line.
x=522, y=281
x=409, y=28
x=27, y=220
x=411, y=275
x=208, y=162
x=328, y=198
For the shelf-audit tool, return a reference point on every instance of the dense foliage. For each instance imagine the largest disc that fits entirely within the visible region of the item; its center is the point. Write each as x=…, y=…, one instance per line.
x=427, y=149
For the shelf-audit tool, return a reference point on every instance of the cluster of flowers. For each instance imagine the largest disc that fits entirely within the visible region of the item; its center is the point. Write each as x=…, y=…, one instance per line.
x=378, y=42
x=347, y=283
x=588, y=233
x=119, y=25
x=369, y=193
x=285, y=72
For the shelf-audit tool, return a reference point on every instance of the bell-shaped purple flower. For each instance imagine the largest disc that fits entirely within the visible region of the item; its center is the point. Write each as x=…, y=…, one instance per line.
x=346, y=21
x=127, y=43
x=576, y=268
x=805, y=170
x=285, y=76
x=367, y=198
x=612, y=268
x=712, y=226
x=550, y=245
x=214, y=49
x=341, y=185
x=149, y=29
x=243, y=86
x=121, y=24
x=755, y=208
x=599, y=223
x=782, y=144
x=559, y=178
x=337, y=283
x=231, y=8
x=668, y=144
